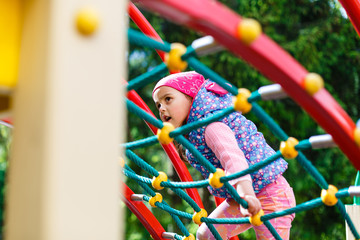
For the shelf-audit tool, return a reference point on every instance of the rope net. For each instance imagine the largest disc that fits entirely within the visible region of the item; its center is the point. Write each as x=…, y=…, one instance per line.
x=290, y=148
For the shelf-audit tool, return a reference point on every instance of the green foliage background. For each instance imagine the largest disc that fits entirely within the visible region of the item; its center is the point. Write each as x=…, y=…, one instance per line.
x=5, y=142
x=319, y=37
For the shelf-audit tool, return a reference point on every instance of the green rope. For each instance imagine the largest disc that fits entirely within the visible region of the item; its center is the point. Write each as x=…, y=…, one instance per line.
x=208, y=73
x=158, y=72
x=205, y=121
x=152, y=193
x=299, y=208
x=194, y=184
x=307, y=165
x=190, y=52
x=244, y=220
x=148, y=77
x=141, y=39
x=136, y=177
x=187, y=198
x=269, y=122
x=141, y=163
x=303, y=145
x=213, y=230
x=141, y=143
x=272, y=230
x=132, y=107
x=357, y=183
x=181, y=139
x=252, y=168
x=348, y=220
x=255, y=96
x=178, y=237
x=234, y=194
x=170, y=209
x=148, y=168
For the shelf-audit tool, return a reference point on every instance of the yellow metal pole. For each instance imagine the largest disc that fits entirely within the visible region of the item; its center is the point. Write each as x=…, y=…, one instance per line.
x=10, y=36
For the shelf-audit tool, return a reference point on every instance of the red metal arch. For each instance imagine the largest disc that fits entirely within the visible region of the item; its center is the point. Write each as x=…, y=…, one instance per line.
x=213, y=18
x=352, y=8
x=170, y=149
x=145, y=216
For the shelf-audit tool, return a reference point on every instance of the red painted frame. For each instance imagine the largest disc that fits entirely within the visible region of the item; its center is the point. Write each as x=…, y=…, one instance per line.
x=170, y=149
x=139, y=19
x=213, y=18
x=145, y=216
x=352, y=8
x=143, y=213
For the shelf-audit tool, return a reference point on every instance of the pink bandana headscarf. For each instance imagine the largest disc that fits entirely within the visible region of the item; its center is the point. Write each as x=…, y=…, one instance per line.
x=188, y=83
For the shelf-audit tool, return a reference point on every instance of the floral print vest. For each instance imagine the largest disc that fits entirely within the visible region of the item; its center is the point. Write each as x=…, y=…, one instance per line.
x=250, y=141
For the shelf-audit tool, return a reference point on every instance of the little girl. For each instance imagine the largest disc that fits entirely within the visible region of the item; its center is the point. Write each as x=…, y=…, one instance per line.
x=232, y=144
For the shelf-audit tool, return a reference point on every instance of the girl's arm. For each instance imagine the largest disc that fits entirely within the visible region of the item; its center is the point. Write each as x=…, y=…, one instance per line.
x=221, y=139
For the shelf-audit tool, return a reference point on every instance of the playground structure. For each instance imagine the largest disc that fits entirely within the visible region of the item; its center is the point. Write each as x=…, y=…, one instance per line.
x=60, y=94
x=54, y=160
x=305, y=88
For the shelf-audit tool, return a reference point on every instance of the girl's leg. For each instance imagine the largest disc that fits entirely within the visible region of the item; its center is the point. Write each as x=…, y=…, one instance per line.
x=276, y=197
x=227, y=209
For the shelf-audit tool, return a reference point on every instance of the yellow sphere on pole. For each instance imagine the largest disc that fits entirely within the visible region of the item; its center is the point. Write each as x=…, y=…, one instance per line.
x=248, y=30
x=156, y=181
x=157, y=198
x=328, y=196
x=313, y=82
x=255, y=220
x=214, y=178
x=198, y=215
x=357, y=136
x=87, y=21
x=241, y=103
x=163, y=134
x=173, y=58
x=287, y=148
x=190, y=237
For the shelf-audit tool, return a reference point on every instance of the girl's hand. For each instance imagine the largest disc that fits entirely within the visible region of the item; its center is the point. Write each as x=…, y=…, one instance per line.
x=246, y=192
x=254, y=205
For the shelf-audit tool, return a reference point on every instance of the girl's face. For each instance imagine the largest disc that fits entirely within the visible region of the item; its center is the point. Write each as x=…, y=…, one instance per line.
x=173, y=105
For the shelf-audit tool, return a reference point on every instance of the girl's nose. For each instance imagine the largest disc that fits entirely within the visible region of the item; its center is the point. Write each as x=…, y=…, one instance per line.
x=161, y=109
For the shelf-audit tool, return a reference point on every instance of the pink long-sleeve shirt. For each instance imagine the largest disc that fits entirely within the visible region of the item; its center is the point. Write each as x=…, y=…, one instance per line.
x=221, y=139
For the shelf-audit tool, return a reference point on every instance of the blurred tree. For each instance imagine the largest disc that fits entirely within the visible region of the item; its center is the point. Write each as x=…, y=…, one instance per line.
x=319, y=36
x=5, y=141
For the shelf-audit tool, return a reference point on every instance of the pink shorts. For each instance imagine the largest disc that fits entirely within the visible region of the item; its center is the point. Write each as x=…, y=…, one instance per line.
x=276, y=196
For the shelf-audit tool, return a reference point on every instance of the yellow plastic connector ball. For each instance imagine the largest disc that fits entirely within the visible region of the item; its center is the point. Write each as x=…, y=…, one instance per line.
x=190, y=237
x=157, y=198
x=122, y=162
x=198, y=215
x=248, y=30
x=214, y=178
x=313, y=82
x=357, y=136
x=328, y=196
x=287, y=148
x=156, y=181
x=241, y=103
x=255, y=220
x=163, y=134
x=87, y=21
x=173, y=59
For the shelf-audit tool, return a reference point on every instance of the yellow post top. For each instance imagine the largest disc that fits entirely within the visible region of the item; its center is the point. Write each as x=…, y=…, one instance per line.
x=10, y=36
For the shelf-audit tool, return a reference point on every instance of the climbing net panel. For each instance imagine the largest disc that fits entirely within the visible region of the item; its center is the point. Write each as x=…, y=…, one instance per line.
x=244, y=38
